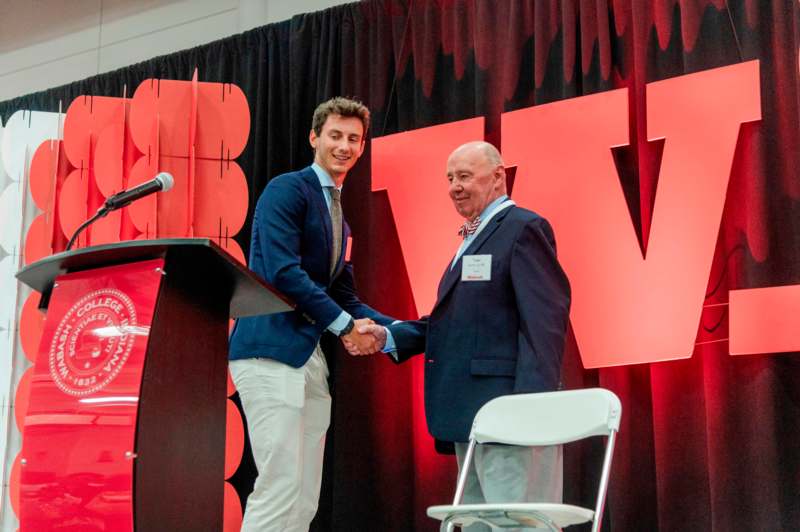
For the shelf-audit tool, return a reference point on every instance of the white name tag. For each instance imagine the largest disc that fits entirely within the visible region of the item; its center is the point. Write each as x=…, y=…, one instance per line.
x=476, y=268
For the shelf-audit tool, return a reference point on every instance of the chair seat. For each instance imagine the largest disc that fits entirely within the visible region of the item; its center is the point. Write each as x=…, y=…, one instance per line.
x=510, y=514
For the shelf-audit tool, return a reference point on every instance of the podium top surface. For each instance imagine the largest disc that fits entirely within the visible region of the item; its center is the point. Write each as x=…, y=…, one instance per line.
x=251, y=294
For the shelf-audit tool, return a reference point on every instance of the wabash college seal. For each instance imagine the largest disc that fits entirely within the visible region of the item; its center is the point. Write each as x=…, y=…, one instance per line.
x=92, y=342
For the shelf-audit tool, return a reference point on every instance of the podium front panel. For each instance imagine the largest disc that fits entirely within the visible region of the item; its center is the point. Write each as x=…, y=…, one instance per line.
x=79, y=433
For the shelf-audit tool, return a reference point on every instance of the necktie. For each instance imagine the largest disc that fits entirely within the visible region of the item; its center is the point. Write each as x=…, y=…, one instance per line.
x=336, y=225
x=469, y=228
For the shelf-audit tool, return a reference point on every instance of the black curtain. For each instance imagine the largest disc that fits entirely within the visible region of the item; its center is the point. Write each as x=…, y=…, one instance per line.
x=708, y=443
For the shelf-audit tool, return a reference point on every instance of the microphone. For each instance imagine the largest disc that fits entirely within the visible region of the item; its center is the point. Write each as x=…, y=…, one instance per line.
x=162, y=181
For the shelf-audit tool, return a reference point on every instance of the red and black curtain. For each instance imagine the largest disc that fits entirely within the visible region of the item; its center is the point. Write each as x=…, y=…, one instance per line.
x=708, y=443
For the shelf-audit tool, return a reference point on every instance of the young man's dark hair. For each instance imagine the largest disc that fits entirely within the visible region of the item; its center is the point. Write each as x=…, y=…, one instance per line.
x=341, y=106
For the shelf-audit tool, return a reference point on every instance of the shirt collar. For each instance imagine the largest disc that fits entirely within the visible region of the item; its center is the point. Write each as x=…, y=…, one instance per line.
x=492, y=206
x=325, y=180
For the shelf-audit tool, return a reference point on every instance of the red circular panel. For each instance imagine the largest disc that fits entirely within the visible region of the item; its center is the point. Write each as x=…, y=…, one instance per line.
x=173, y=205
x=171, y=218
x=106, y=230
x=38, y=240
x=232, y=513
x=13, y=485
x=31, y=325
x=234, y=439
x=143, y=115
x=43, y=173
x=223, y=119
x=87, y=117
x=77, y=125
x=108, y=159
x=222, y=114
x=142, y=212
x=169, y=103
x=22, y=397
x=232, y=246
x=220, y=198
x=72, y=207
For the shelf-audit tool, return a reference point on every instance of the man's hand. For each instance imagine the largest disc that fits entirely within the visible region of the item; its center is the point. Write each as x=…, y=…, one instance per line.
x=357, y=343
x=361, y=322
x=374, y=339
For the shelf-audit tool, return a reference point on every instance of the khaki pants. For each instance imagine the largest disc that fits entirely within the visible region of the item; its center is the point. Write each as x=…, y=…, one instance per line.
x=288, y=411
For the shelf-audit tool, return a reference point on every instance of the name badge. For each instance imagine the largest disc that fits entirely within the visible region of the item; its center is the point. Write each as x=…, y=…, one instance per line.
x=476, y=268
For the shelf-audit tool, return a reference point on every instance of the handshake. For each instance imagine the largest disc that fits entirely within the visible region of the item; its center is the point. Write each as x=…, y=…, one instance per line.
x=366, y=338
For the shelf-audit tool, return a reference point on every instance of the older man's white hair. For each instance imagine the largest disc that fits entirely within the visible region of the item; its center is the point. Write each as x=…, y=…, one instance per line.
x=489, y=151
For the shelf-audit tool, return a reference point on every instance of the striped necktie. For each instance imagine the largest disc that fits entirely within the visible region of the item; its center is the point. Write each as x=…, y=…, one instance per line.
x=336, y=225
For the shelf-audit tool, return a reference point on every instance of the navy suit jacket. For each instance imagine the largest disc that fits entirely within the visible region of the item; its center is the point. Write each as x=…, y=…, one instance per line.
x=291, y=248
x=484, y=339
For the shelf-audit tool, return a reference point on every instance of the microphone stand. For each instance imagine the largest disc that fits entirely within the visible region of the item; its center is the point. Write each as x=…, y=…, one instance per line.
x=101, y=212
x=162, y=182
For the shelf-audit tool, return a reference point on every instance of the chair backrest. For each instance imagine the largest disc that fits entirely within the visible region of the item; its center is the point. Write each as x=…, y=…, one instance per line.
x=547, y=418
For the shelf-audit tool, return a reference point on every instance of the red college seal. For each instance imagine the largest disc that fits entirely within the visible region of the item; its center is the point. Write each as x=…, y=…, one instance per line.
x=92, y=342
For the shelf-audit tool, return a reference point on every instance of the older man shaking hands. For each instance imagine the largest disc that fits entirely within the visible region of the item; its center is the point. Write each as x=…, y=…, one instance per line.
x=497, y=328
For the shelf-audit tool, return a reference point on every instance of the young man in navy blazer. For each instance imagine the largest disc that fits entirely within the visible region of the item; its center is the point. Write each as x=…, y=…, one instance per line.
x=298, y=245
x=497, y=328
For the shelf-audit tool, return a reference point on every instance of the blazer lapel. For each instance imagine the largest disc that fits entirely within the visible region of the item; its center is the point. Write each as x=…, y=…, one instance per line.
x=318, y=199
x=451, y=276
x=345, y=236
x=484, y=235
x=448, y=280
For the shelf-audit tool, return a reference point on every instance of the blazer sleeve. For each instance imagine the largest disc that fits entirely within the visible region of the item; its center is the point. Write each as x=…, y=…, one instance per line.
x=409, y=337
x=280, y=216
x=542, y=294
x=343, y=292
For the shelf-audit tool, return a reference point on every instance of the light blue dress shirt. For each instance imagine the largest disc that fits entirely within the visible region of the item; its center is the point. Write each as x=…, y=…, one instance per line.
x=485, y=216
x=327, y=184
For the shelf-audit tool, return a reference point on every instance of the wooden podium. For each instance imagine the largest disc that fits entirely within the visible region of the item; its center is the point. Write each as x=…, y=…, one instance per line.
x=125, y=428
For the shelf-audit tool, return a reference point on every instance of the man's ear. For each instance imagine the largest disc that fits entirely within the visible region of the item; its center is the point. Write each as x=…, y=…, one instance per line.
x=312, y=139
x=500, y=174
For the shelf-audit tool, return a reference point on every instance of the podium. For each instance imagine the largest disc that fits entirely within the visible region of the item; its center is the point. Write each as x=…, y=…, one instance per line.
x=126, y=419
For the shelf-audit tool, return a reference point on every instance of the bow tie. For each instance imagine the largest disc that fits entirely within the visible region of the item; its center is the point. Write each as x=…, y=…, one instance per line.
x=469, y=228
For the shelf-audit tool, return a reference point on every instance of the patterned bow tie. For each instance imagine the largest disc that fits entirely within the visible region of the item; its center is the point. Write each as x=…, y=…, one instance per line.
x=469, y=228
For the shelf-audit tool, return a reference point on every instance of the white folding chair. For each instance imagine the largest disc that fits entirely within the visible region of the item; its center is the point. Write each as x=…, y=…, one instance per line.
x=537, y=419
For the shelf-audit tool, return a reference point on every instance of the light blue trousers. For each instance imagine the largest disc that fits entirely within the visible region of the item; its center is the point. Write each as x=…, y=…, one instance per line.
x=503, y=473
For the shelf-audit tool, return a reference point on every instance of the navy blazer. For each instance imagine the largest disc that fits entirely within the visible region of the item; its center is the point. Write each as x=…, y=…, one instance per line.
x=291, y=248
x=484, y=339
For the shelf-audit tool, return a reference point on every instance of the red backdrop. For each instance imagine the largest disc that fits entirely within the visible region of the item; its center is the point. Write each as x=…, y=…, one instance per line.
x=708, y=442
